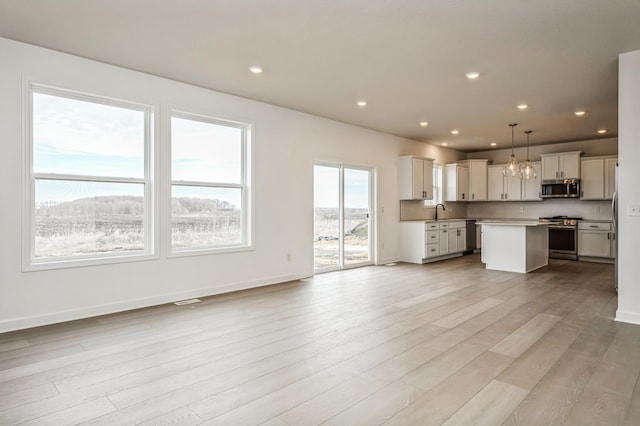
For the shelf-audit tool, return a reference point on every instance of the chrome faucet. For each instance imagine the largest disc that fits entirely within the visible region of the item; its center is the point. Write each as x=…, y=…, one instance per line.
x=443, y=209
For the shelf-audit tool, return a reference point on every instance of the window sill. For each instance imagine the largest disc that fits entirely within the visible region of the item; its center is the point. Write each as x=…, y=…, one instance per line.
x=83, y=263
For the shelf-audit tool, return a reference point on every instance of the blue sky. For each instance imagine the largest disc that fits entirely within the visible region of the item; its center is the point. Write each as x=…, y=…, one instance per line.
x=71, y=136
x=326, y=187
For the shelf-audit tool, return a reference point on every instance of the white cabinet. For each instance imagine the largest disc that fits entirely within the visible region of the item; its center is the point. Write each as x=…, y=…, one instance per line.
x=422, y=242
x=561, y=165
x=510, y=188
x=502, y=188
x=531, y=190
x=478, y=180
x=415, y=178
x=456, y=181
x=610, y=177
x=453, y=237
x=597, y=181
x=596, y=239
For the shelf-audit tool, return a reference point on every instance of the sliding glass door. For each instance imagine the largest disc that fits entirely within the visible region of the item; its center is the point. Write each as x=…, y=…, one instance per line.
x=342, y=216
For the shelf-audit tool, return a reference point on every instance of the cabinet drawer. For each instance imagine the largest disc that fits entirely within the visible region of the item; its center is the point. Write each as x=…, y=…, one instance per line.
x=430, y=225
x=433, y=237
x=444, y=225
x=432, y=250
x=595, y=226
x=457, y=225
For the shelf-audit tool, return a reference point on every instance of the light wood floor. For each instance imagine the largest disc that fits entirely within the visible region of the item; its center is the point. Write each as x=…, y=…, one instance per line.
x=446, y=343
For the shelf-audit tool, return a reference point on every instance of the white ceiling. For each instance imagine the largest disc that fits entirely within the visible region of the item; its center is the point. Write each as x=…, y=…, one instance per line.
x=407, y=58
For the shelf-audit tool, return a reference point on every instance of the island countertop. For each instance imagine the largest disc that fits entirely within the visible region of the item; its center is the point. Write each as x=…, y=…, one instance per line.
x=512, y=223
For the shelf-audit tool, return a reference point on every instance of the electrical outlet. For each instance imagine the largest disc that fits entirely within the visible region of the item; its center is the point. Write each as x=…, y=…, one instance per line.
x=521, y=209
x=288, y=257
x=382, y=246
x=633, y=210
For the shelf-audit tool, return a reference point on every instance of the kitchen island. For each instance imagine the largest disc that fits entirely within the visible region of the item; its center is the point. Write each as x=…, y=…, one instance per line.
x=514, y=246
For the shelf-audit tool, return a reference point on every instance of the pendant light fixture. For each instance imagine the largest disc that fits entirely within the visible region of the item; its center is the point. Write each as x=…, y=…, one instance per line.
x=511, y=168
x=527, y=171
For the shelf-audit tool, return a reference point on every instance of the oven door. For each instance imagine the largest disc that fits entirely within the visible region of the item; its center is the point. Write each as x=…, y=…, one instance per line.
x=563, y=242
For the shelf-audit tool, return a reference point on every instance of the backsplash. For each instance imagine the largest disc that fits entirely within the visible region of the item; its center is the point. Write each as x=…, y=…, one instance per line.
x=595, y=210
x=415, y=210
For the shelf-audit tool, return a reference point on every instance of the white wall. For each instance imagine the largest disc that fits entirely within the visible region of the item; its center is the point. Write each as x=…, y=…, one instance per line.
x=286, y=145
x=629, y=187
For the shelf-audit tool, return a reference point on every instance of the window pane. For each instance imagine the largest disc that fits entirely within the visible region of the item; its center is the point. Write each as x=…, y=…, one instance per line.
x=204, y=217
x=205, y=152
x=87, y=218
x=356, y=216
x=79, y=137
x=326, y=216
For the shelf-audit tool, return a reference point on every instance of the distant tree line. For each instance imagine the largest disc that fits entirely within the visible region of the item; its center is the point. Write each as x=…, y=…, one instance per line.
x=129, y=205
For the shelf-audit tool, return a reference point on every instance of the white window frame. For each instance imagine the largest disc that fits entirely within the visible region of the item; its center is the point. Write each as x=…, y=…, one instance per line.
x=438, y=186
x=30, y=263
x=246, y=214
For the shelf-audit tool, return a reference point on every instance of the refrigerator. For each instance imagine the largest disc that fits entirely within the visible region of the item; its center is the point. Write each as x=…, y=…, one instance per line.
x=614, y=207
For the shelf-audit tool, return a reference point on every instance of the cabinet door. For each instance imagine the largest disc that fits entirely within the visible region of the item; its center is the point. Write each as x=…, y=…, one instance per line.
x=453, y=241
x=512, y=188
x=594, y=243
x=531, y=187
x=550, y=167
x=610, y=177
x=592, y=179
x=463, y=183
x=427, y=179
x=495, y=183
x=461, y=237
x=478, y=180
x=444, y=241
x=569, y=166
x=417, y=176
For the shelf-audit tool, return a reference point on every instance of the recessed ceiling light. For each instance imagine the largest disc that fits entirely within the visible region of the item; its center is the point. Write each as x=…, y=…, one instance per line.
x=444, y=144
x=580, y=113
x=472, y=75
x=255, y=69
x=455, y=132
x=493, y=144
x=523, y=106
x=361, y=103
x=602, y=131
x=424, y=123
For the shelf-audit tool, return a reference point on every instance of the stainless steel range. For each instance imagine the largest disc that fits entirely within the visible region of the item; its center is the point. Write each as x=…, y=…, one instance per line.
x=563, y=237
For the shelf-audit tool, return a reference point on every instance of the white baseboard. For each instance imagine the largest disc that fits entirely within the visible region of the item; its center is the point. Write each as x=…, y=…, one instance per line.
x=388, y=260
x=127, y=305
x=628, y=317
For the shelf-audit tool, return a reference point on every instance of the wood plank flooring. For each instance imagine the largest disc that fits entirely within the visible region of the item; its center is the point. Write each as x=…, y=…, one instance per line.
x=444, y=343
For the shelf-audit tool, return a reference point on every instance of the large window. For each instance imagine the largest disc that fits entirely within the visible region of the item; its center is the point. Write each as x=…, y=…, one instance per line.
x=89, y=194
x=209, y=173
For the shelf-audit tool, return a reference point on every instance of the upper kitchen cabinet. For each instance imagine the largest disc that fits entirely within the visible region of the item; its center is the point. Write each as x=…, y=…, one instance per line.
x=456, y=179
x=561, y=165
x=512, y=188
x=531, y=190
x=501, y=187
x=415, y=178
x=597, y=178
x=477, y=180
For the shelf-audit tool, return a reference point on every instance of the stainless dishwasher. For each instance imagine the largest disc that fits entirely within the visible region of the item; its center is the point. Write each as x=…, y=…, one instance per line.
x=471, y=236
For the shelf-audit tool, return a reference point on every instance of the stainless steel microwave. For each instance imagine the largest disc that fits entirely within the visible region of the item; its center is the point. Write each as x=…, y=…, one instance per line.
x=561, y=188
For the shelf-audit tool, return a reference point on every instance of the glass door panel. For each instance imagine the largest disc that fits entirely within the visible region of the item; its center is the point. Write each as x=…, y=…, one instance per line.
x=326, y=217
x=356, y=216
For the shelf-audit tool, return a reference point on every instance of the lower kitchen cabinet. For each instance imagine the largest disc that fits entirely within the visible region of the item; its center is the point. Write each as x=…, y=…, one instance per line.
x=423, y=242
x=596, y=241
